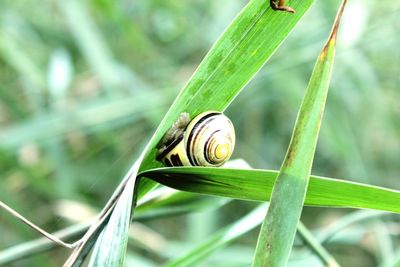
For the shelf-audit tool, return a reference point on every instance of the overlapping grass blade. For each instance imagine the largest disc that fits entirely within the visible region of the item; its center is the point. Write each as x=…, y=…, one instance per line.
x=256, y=185
x=288, y=194
x=114, y=231
x=110, y=248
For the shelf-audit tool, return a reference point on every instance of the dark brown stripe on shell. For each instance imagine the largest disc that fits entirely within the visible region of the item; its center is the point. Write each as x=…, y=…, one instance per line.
x=189, y=153
x=176, y=160
x=169, y=148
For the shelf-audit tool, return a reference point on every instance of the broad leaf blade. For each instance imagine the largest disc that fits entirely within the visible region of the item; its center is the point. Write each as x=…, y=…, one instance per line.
x=279, y=227
x=111, y=246
x=256, y=185
x=117, y=230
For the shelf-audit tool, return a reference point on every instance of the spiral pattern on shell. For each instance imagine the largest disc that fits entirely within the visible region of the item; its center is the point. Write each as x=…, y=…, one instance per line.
x=209, y=139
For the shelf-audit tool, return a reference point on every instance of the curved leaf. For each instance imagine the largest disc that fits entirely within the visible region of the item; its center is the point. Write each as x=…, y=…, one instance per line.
x=278, y=230
x=256, y=185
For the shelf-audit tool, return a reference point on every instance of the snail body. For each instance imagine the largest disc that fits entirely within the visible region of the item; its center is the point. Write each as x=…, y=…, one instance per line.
x=207, y=140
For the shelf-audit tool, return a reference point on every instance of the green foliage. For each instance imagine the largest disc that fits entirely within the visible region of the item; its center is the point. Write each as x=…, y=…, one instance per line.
x=256, y=185
x=233, y=60
x=84, y=84
x=290, y=188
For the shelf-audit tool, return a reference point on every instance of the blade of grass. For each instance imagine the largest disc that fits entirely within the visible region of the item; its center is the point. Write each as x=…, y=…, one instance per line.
x=85, y=244
x=279, y=227
x=34, y=227
x=316, y=246
x=114, y=239
x=256, y=185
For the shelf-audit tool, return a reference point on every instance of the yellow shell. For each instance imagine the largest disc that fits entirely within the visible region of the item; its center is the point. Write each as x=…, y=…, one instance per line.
x=208, y=140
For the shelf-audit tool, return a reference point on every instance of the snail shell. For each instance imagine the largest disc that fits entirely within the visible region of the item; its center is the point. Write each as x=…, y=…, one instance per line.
x=207, y=140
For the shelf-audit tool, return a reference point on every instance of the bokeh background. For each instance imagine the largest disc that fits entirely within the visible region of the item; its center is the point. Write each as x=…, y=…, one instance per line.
x=84, y=84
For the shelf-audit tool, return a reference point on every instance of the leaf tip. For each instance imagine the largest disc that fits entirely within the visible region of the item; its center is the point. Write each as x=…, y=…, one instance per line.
x=335, y=27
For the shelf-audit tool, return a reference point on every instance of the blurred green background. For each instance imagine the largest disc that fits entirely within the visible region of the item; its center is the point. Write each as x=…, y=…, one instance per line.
x=83, y=85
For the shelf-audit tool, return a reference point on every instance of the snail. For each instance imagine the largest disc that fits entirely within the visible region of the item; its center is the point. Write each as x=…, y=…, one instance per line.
x=207, y=140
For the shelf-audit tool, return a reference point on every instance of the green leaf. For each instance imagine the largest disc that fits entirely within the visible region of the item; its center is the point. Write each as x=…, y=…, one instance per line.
x=256, y=185
x=316, y=246
x=111, y=246
x=279, y=227
x=112, y=225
